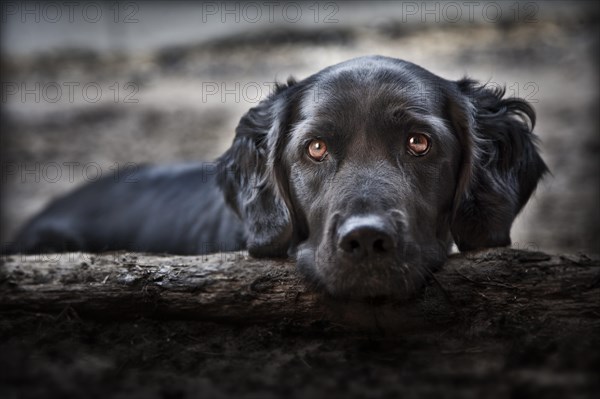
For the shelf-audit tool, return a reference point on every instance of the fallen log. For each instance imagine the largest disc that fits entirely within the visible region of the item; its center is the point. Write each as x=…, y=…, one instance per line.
x=482, y=287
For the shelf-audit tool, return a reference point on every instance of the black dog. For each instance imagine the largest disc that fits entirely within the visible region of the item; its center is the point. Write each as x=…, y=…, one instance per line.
x=365, y=172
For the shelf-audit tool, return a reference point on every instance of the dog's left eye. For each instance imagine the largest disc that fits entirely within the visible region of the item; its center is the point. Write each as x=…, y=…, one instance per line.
x=418, y=144
x=317, y=150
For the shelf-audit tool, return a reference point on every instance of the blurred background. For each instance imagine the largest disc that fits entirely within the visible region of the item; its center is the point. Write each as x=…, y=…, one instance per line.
x=89, y=88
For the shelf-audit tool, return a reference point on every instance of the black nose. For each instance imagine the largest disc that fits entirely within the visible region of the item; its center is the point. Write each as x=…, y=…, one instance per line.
x=366, y=236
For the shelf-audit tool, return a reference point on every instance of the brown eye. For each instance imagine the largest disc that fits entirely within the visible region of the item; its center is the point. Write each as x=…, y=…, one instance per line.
x=418, y=144
x=317, y=150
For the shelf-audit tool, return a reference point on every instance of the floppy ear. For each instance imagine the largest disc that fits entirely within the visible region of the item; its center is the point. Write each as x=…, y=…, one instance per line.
x=503, y=166
x=247, y=175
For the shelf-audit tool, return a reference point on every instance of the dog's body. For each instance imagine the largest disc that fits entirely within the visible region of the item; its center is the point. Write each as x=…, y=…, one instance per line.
x=175, y=209
x=365, y=171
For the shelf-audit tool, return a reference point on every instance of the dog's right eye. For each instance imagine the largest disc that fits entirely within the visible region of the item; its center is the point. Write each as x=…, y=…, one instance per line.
x=418, y=144
x=317, y=150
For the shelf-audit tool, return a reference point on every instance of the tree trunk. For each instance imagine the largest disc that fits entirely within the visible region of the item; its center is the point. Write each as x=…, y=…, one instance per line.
x=479, y=286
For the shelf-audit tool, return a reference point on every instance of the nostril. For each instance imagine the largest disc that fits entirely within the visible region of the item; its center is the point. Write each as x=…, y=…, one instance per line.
x=379, y=246
x=350, y=245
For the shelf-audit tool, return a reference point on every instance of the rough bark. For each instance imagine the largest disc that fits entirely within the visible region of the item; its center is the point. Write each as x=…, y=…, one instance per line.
x=482, y=287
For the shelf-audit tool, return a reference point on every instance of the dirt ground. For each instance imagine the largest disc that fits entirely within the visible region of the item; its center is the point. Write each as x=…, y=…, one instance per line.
x=552, y=62
x=63, y=356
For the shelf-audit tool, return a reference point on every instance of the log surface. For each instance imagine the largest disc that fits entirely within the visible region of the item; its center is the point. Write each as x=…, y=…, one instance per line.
x=480, y=286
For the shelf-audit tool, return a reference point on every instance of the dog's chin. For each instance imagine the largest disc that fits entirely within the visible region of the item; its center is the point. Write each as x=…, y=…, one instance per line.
x=373, y=279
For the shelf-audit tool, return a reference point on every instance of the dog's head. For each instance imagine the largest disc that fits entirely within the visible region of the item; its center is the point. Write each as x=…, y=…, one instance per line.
x=367, y=170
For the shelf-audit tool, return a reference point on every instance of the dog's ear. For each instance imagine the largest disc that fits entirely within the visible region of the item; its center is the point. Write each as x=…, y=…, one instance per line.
x=248, y=175
x=501, y=169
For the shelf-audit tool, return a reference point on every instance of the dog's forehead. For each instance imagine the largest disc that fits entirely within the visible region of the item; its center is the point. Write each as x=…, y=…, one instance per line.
x=354, y=91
